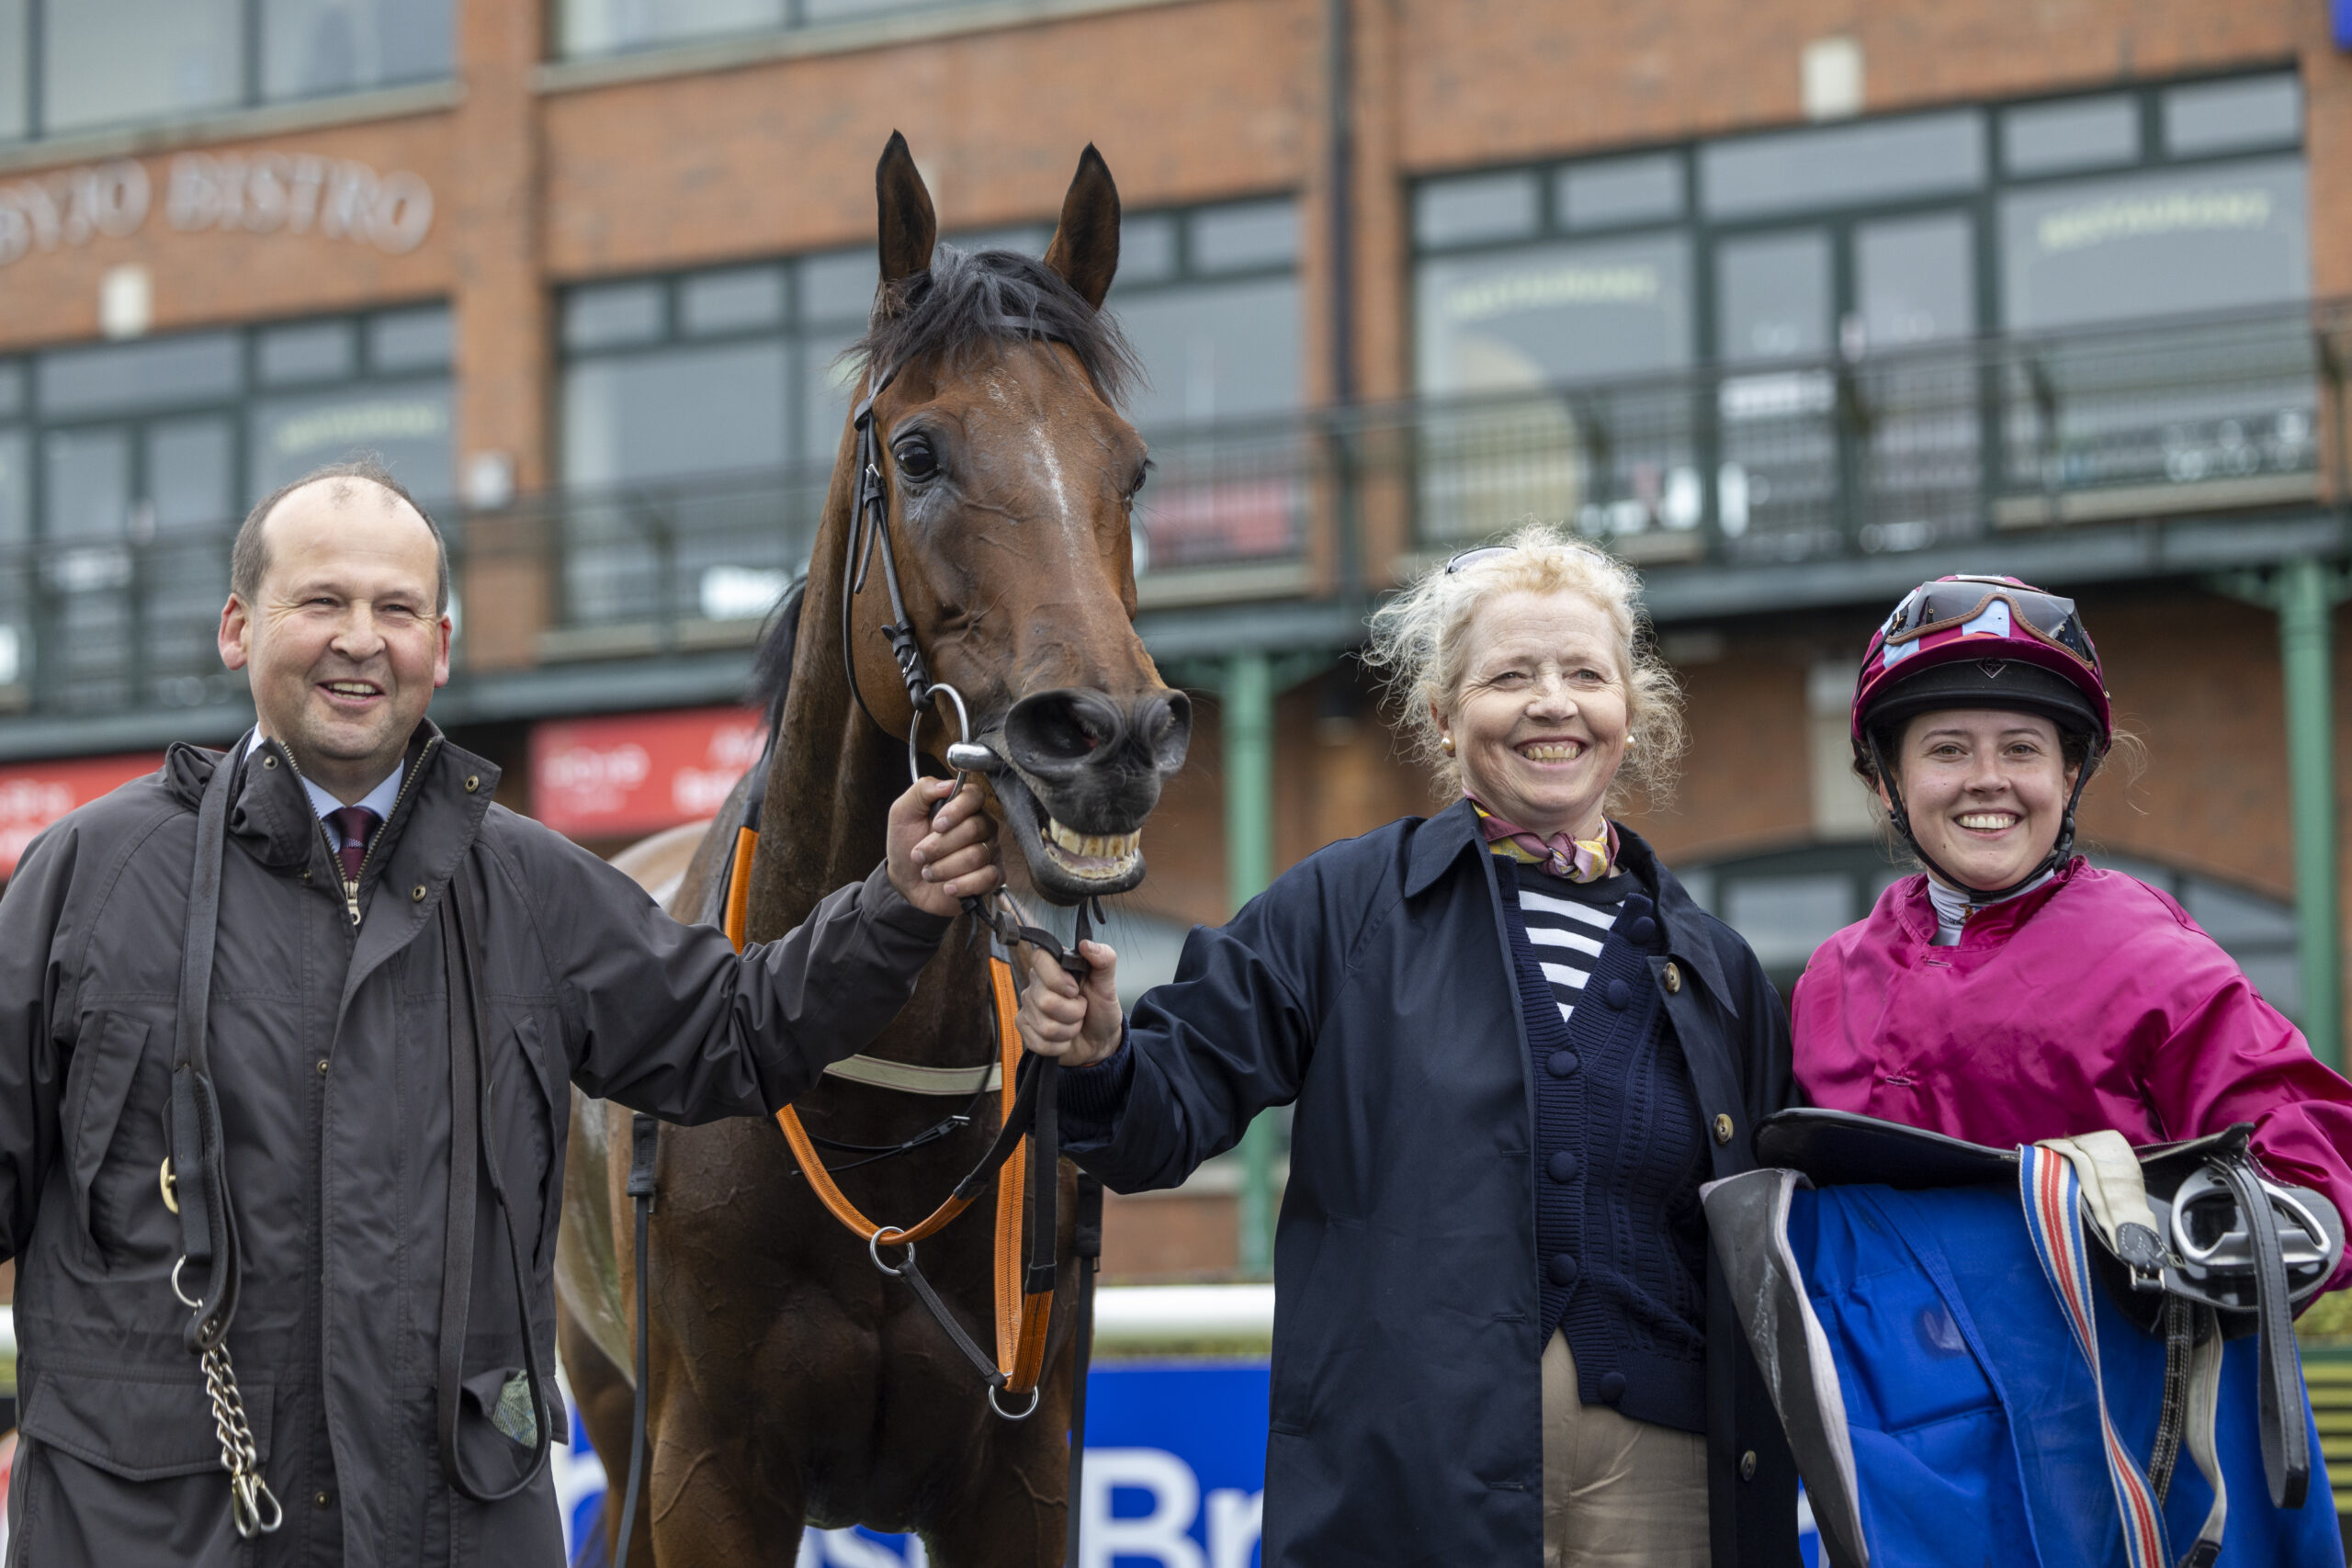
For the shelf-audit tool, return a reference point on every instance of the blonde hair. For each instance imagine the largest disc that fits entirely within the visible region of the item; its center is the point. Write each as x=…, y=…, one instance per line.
x=1419, y=637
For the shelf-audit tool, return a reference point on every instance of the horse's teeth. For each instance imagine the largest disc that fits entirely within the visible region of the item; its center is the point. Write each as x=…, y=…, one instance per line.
x=1093, y=846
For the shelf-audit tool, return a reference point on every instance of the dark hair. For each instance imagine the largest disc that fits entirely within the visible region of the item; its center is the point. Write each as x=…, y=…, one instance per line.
x=249, y=556
x=966, y=298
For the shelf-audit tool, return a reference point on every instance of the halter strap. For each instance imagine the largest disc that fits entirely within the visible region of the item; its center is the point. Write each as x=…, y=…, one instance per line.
x=869, y=534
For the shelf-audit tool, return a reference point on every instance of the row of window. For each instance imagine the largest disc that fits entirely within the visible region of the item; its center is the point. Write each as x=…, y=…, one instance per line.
x=584, y=28
x=69, y=65
x=72, y=66
x=1524, y=280
x=1751, y=249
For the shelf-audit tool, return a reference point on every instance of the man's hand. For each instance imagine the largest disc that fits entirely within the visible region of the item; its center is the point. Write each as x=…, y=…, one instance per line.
x=940, y=855
x=1077, y=1025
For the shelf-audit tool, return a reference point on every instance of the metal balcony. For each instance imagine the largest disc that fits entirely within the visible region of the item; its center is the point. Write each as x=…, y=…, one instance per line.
x=2178, y=446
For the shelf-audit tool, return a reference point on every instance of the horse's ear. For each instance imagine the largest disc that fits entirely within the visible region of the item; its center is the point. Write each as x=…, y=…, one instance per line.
x=1086, y=246
x=908, y=227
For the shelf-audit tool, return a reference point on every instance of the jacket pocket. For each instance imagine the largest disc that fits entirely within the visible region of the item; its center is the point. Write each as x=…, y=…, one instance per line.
x=99, y=1085
x=1304, y=1317
x=529, y=1107
x=136, y=1428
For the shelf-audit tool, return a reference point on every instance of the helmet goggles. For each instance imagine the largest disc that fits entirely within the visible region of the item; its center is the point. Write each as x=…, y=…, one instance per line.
x=1963, y=602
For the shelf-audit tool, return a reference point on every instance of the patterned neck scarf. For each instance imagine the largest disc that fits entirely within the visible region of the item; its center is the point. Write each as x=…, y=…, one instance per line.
x=1570, y=859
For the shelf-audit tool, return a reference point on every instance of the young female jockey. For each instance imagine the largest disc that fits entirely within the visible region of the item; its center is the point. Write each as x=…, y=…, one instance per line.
x=2013, y=992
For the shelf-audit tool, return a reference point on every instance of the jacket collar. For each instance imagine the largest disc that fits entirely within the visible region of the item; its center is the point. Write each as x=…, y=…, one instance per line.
x=1993, y=923
x=1689, y=936
x=271, y=814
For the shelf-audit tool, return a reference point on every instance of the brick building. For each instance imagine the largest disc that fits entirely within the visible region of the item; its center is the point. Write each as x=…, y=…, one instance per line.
x=1793, y=303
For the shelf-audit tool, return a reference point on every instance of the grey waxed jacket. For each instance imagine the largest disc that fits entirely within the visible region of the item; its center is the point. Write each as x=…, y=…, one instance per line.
x=330, y=1051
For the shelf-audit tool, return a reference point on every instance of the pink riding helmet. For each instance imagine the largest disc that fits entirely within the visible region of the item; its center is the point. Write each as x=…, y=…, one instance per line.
x=1982, y=642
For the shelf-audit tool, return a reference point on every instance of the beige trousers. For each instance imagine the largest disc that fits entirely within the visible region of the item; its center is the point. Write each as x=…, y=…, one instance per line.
x=1617, y=1492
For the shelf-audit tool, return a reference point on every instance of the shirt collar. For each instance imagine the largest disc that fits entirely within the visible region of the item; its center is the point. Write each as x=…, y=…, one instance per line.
x=379, y=800
x=1440, y=841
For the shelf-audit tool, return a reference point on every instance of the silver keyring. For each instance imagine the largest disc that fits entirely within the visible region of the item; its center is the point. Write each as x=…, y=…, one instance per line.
x=874, y=1250
x=191, y=1306
x=1015, y=1415
x=963, y=728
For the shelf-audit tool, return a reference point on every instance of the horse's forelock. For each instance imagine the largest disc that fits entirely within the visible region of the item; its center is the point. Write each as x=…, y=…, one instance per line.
x=967, y=299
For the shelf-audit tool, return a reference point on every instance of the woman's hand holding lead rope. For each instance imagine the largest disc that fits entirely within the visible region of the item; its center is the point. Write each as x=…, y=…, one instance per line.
x=1075, y=1024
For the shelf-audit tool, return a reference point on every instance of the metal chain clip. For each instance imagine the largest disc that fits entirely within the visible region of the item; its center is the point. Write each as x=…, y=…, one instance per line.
x=252, y=1504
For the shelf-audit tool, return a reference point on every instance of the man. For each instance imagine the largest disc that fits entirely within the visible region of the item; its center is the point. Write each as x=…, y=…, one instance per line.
x=353, y=826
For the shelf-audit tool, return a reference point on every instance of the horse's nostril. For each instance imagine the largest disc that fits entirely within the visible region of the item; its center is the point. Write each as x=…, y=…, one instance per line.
x=1056, y=733
x=1165, y=724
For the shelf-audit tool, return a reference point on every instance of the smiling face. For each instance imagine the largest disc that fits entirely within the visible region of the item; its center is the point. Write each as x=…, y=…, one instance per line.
x=1539, y=719
x=342, y=642
x=1986, y=791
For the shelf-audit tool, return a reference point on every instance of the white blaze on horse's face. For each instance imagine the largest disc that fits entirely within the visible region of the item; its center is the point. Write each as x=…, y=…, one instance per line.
x=345, y=641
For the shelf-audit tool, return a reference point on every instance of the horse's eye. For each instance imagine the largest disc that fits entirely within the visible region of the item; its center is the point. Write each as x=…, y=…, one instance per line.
x=916, y=460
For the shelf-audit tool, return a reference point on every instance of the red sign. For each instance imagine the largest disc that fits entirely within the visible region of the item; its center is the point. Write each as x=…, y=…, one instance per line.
x=37, y=793
x=603, y=778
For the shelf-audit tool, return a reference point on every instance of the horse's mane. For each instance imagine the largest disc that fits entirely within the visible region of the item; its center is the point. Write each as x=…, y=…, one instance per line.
x=772, y=658
x=966, y=298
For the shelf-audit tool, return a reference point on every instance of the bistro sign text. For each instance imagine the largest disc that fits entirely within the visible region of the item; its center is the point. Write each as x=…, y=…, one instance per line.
x=262, y=193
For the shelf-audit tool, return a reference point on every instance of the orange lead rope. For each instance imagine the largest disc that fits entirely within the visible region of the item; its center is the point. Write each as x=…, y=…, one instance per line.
x=1021, y=1318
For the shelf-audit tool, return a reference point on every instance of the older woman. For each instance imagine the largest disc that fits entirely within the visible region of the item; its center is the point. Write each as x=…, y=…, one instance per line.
x=1516, y=1049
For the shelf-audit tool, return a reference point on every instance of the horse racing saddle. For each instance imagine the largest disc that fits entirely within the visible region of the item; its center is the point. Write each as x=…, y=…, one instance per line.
x=2190, y=1245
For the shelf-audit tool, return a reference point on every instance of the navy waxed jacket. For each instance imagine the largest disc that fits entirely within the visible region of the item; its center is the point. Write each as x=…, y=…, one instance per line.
x=1371, y=985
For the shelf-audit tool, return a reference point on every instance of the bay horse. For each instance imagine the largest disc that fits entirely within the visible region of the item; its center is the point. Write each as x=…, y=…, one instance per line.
x=792, y=1383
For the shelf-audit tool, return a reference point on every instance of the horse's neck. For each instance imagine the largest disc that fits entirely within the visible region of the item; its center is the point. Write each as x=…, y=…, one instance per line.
x=824, y=821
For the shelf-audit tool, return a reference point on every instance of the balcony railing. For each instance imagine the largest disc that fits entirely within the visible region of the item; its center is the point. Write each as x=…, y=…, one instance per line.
x=1806, y=460
x=1721, y=468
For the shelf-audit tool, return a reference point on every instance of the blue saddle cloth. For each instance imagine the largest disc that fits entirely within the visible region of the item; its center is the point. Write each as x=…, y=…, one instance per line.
x=1972, y=1418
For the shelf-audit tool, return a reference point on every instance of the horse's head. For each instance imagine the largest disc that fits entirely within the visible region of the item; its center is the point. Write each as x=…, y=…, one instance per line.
x=1010, y=476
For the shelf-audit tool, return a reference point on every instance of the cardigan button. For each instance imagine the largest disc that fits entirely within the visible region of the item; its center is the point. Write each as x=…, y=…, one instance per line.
x=1613, y=1387
x=1562, y=1269
x=1640, y=932
x=1620, y=995
x=1747, y=1465
x=1673, y=980
x=1561, y=1164
x=1561, y=1064
x=1722, y=1129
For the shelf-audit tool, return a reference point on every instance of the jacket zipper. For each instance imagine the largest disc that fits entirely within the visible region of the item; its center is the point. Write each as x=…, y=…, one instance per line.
x=334, y=855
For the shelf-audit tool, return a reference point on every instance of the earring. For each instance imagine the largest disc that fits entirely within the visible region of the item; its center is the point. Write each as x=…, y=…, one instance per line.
x=1447, y=742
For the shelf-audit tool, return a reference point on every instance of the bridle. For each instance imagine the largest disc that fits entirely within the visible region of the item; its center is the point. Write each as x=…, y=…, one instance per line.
x=869, y=535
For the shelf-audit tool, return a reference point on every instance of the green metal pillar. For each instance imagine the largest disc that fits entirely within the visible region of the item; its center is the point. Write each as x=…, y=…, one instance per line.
x=1248, y=732
x=2307, y=592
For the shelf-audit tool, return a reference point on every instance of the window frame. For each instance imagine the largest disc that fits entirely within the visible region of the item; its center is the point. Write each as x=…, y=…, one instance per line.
x=250, y=93
x=1981, y=204
x=800, y=331
x=137, y=420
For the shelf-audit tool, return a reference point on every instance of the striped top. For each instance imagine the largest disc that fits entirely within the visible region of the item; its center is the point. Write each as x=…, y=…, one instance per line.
x=1567, y=921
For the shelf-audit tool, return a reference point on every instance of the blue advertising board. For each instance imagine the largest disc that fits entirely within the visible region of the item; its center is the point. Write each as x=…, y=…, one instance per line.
x=1175, y=1477
x=1175, y=1471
